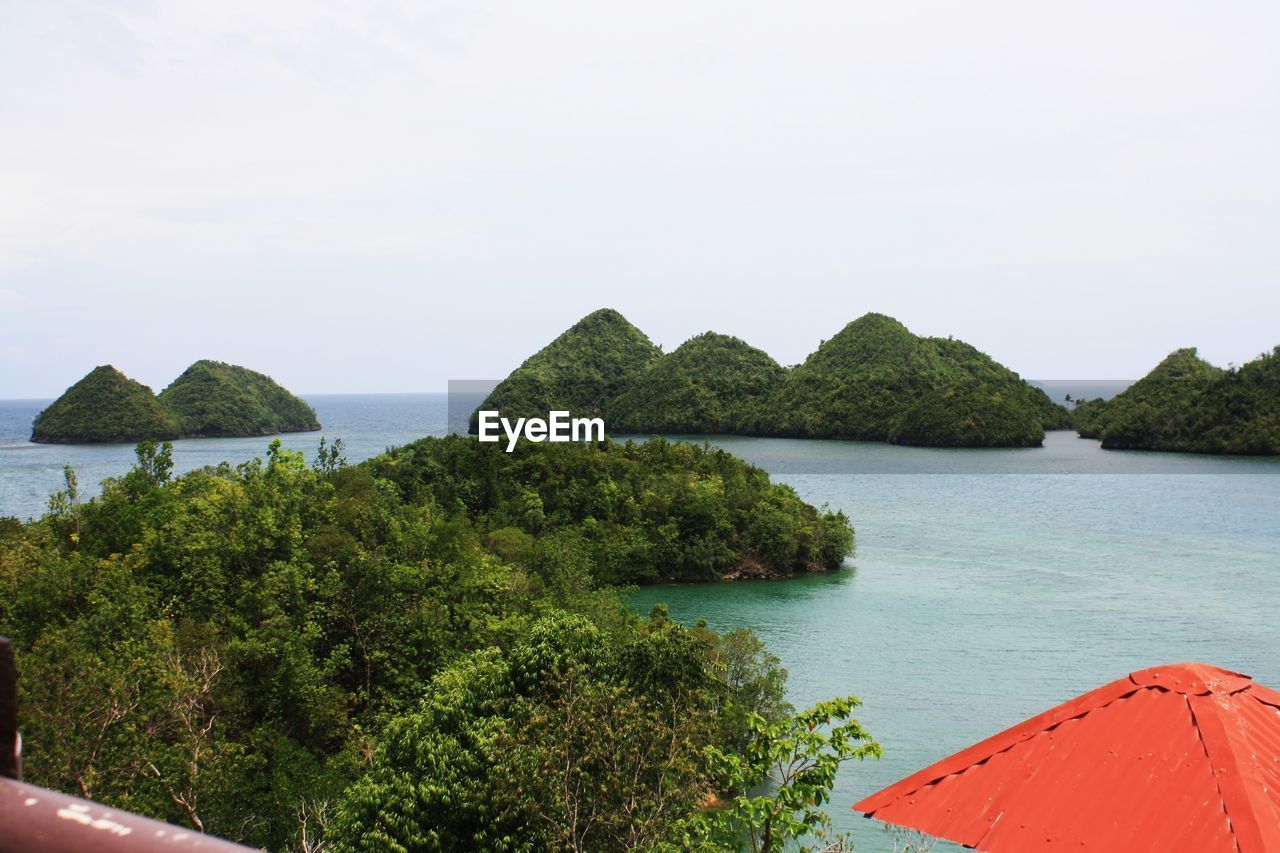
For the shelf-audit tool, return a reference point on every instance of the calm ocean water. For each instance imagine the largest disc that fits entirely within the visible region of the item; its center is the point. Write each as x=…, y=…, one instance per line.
x=367, y=423
x=987, y=585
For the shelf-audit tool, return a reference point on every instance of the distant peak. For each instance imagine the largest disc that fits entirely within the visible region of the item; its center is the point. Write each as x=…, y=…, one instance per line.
x=716, y=338
x=873, y=318
x=605, y=315
x=1182, y=363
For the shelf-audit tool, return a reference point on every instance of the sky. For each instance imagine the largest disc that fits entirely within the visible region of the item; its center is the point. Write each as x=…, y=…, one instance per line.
x=381, y=197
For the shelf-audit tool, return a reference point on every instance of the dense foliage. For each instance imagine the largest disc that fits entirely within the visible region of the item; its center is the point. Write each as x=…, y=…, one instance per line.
x=873, y=381
x=211, y=398
x=579, y=371
x=624, y=513
x=968, y=416
x=711, y=383
x=416, y=652
x=799, y=757
x=105, y=405
x=1186, y=404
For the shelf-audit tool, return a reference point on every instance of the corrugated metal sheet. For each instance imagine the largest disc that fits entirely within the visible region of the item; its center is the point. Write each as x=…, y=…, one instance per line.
x=1182, y=757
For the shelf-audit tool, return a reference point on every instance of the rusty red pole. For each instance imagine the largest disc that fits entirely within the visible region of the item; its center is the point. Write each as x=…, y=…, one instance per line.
x=33, y=818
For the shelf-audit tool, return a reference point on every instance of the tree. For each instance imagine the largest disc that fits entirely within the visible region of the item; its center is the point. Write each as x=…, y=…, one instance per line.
x=602, y=768
x=798, y=758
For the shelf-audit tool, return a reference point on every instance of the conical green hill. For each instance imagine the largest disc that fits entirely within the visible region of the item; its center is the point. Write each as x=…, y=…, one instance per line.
x=711, y=383
x=104, y=406
x=212, y=398
x=588, y=364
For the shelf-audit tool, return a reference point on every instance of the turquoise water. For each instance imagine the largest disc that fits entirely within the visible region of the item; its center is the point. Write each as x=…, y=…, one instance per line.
x=987, y=585
x=978, y=599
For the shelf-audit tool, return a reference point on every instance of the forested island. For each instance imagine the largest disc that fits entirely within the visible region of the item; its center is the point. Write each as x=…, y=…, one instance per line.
x=873, y=381
x=1187, y=405
x=209, y=399
x=422, y=651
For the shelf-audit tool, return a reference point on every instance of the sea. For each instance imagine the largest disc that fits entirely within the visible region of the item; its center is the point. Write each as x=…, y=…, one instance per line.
x=986, y=585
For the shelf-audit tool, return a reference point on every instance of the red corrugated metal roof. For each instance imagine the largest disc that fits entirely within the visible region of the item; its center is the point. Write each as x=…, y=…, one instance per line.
x=1180, y=757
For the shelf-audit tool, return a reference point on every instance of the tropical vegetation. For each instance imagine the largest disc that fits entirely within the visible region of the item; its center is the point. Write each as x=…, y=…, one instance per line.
x=104, y=406
x=1186, y=404
x=711, y=383
x=586, y=366
x=210, y=398
x=873, y=381
x=877, y=381
x=425, y=651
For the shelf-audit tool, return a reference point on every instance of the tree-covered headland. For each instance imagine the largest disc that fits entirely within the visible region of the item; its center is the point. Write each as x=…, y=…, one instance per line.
x=1186, y=404
x=425, y=651
x=210, y=398
x=873, y=381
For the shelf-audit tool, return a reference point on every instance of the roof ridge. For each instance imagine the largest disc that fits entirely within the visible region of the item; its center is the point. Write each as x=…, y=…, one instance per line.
x=1217, y=777
x=1192, y=678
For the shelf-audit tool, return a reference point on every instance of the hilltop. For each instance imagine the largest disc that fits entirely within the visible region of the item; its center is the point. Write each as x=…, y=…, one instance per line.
x=1186, y=404
x=711, y=383
x=873, y=381
x=579, y=371
x=210, y=398
x=876, y=381
x=104, y=406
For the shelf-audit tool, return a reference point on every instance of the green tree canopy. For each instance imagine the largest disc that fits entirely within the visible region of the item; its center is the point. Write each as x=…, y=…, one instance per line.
x=1186, y=404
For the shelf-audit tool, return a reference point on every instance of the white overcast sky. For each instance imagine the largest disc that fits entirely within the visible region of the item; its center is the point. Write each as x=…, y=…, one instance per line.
x=384, y=196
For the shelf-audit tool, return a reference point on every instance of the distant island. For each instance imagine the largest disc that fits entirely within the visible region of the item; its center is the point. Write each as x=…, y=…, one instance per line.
x=1187, y=405
x=873, y=381
x=209, y=399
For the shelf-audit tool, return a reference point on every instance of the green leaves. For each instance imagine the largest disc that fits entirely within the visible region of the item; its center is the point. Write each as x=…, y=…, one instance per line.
x=434, y=629
x=1186, y=404
x=799, y=758
x=576, y=738
x=622, y=512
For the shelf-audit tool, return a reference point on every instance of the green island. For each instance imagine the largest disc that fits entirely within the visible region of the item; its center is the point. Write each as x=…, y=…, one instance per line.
x=104, y=406
x=873, y=381
x=210, y=399
x=425, y=651
x=1187, y=405
x=580, y=371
